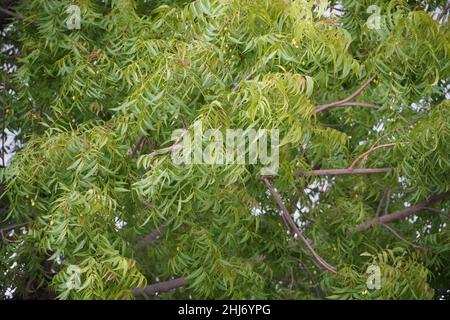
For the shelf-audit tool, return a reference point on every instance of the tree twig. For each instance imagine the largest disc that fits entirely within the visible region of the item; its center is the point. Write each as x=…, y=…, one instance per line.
x=395, y=233
x=365, y=154
x=292, y=226
x=346, y=101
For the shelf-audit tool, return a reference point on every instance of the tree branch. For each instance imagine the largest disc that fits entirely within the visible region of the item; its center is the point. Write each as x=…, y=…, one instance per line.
x=293, y=226
x=12, y=13
x=395, y=233
x=372, y=149
x=341, y=172
x=346, y=101
x=157, y=288
x=150, y=239
x=402, y=214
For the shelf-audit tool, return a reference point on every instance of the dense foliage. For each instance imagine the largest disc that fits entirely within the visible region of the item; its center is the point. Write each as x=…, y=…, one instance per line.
x=94, y=104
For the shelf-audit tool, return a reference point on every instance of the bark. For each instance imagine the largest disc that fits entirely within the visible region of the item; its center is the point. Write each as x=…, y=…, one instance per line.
x=402, y=214
x=156, y=288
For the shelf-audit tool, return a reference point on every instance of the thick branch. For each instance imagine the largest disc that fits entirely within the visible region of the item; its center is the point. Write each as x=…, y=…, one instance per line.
x=293, y=226
x=150, y=239
x=402, y=214
x=157, y=288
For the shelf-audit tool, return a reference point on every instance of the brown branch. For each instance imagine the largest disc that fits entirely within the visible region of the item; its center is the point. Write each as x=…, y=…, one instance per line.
x=402, y=214
x=293, y=226
x=372, y=149
x=12, y=13
x=346, y=101
x=157, y=288
x=150, y=239
x=341, y=172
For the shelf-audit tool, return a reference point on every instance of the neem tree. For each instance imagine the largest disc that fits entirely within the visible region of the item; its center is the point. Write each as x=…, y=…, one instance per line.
x=94, y=208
